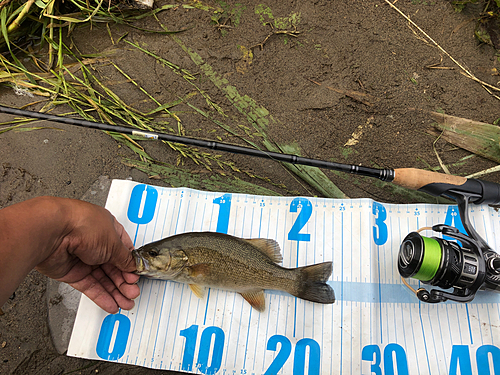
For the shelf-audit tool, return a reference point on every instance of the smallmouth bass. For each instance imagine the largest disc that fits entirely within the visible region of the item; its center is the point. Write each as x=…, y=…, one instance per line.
x=245, y=266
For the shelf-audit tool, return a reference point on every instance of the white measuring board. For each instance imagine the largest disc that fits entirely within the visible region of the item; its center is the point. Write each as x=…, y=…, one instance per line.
x=376, y=326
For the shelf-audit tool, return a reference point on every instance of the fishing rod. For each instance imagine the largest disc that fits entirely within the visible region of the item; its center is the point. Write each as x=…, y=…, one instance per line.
x=466, y=268
x=437, y=184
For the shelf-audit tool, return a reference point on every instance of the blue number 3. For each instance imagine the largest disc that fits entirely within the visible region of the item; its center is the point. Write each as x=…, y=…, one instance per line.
x=380, y=227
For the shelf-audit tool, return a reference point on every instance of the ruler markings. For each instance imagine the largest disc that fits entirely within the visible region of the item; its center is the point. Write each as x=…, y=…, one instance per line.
x=381, y=294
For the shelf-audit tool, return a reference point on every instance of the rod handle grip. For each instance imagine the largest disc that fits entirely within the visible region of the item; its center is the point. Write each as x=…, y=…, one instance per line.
x=413, y=178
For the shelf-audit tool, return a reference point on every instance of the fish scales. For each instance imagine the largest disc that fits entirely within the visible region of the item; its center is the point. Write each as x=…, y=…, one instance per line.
x=240, y=267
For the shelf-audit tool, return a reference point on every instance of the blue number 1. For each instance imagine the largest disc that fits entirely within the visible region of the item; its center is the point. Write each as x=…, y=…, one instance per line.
x=224, y=203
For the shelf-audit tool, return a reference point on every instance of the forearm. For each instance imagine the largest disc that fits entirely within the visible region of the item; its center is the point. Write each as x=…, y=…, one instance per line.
x=29, y=232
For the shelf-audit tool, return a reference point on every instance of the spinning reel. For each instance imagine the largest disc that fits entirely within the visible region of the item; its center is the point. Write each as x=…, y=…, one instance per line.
x=466, y=266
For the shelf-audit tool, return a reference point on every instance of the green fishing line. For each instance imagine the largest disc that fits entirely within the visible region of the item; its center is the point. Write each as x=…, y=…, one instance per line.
x=431, y=260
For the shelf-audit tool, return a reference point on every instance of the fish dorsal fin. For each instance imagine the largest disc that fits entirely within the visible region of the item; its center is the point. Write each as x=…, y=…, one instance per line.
x=197, y=290
x=269, y=247
x=256, y=299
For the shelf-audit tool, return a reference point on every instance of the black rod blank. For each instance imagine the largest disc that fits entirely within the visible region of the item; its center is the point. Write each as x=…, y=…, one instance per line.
x=381, y=174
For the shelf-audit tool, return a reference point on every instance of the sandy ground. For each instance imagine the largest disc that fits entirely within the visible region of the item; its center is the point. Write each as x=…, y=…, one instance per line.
x=362, y=46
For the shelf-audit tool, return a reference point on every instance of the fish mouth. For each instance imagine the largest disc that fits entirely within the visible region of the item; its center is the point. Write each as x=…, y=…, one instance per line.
x=142, y=264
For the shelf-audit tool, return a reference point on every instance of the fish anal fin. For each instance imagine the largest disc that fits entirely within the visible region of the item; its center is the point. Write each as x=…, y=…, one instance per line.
x=256, y=299
x=269, y=247
x=197, y=290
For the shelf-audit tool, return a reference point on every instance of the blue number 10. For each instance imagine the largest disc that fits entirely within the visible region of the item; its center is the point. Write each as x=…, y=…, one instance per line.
x=191, y=335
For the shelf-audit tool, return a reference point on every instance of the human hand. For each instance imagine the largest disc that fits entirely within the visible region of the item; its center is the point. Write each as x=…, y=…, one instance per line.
x=93, y=255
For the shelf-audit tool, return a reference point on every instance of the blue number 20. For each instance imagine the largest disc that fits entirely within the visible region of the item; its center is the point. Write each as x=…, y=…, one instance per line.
x=299, y=360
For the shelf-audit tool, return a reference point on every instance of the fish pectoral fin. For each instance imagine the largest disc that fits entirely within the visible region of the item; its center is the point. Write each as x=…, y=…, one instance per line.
x=256, y=299
x=200, y=269
x=269, y=247
x=197, y=290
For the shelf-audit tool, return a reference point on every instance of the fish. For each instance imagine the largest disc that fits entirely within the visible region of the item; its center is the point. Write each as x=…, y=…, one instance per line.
x=223, y=261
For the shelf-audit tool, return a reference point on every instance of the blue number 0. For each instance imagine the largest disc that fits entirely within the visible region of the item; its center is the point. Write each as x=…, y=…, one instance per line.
x=142, y=204
x=217, y=350
x=106, y=335
x=299, y=360
x=304, y=215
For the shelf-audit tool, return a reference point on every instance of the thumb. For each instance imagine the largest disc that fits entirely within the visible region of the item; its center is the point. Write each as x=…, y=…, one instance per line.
x=123, y=259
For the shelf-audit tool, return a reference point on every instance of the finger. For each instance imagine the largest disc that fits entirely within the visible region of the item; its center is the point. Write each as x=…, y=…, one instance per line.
x=94, y=290
x=130, y=291
x=122, y=258
x=112, y=285
x=130, y=278
x=123, y=235
x=117, y=278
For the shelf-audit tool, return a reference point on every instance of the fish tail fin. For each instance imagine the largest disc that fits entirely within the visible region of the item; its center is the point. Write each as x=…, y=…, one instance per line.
x=312, y=284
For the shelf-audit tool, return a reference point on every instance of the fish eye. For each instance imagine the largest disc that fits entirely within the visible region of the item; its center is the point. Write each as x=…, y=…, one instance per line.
x=153, y=253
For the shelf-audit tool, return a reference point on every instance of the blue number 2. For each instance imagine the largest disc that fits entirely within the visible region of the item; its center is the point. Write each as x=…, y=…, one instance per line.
x=283, y=354
x=304, y=215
